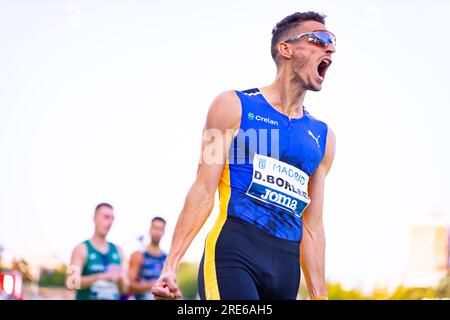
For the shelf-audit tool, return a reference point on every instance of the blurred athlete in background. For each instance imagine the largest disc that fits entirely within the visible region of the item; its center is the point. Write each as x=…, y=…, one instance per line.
x=98, y=266
x=146, y=266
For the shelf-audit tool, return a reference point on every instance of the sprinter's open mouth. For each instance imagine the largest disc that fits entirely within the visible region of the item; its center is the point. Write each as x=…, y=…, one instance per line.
x=323, y=66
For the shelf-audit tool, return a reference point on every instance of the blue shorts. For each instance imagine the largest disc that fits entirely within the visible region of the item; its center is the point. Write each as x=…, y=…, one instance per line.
x=250, y=264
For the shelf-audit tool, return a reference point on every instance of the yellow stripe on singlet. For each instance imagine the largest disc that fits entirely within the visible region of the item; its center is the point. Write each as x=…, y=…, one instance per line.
x=209, y=264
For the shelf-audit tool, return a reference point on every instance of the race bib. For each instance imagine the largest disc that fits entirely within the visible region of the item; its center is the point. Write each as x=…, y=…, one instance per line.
x=104, y=290
x=279, y=184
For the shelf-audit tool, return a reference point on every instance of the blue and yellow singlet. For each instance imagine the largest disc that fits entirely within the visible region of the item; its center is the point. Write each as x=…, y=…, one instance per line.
x=265, y=180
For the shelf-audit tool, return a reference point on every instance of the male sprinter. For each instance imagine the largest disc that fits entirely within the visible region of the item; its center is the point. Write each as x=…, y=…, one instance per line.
x=271, y=191
x=100, y=263
x=145, y=267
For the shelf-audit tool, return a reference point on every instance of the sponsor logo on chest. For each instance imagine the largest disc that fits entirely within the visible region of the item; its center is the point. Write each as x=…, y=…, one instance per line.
x=259, y=118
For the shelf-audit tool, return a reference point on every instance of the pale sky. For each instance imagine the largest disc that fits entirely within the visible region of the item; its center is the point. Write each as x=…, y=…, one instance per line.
x=106, y=100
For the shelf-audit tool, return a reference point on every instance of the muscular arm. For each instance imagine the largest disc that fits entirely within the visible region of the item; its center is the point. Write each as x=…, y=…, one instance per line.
x=222, y=120
x=312, y=247
x=136, y=285
x=75, y=270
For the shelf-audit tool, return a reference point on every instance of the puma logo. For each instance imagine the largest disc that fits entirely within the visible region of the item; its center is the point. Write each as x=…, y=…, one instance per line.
x=317, y=139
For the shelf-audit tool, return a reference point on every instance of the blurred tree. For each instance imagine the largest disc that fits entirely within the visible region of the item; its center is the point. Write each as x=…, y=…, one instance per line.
x=443, y=288
x=187, y=279
x=303, y=291
x=22, y=266
x=337, y=292
x=53, y=278
x=404, y=293
x=379, y=293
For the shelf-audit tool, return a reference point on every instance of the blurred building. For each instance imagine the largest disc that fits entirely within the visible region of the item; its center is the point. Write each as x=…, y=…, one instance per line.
x=429, y=259
x=1, y=251
x=7, y=259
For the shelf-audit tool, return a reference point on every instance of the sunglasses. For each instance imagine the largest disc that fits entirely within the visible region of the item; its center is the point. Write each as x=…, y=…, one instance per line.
x=320, y=37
